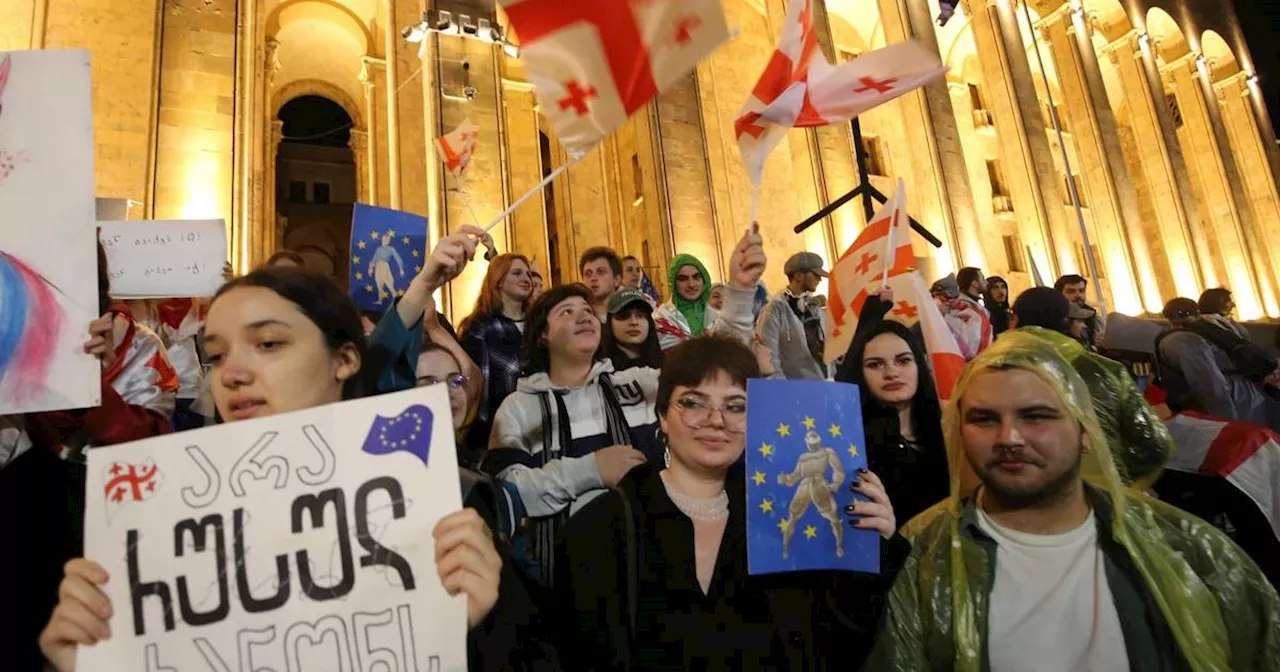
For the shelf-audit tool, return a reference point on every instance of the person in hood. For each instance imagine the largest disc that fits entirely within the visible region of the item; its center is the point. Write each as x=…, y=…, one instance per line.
x=574, y=427
x=1219, y=307
x=996, y=299
x=688, y=313
x=970, y=323
x=1042, y=560
x=791, y=324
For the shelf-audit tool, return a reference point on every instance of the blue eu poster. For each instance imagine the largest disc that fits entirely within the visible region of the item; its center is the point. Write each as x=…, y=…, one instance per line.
x=388, y=248
x=804, y=449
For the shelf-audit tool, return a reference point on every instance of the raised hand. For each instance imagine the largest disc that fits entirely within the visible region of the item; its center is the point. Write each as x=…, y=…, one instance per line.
x=468, y=562
x=748, y=261
x=81, y=616
x=451, y=256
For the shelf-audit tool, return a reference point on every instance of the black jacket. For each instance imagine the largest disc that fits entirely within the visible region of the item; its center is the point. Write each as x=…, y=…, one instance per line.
x=612, y=576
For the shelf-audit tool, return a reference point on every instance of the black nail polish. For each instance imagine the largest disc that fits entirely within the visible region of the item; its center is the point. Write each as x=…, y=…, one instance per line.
x=862, y=471
x=854, y=522
x=851, y=509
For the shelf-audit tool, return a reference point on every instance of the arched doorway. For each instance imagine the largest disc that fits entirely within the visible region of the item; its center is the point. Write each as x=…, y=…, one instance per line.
x=316, y=182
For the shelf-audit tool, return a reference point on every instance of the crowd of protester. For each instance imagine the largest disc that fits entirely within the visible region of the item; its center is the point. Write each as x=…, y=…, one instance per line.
x=601, y=433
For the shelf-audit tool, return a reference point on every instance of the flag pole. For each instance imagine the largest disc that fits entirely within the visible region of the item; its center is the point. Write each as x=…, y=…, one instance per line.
x=1066, y=163
x=536, y=188
x=888, y=240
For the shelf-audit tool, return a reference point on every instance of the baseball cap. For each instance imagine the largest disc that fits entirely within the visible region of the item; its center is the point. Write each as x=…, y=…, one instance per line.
x=1043, y=307
x=947, y=285
x=804, y=261
x=625, y=297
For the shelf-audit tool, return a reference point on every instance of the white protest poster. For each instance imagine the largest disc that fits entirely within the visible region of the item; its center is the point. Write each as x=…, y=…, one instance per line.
x=164, y=258
x=299, y=542
x=48, y=262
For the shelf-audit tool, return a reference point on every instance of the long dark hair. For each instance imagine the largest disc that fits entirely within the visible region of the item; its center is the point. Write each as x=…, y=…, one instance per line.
x=535, y=344
x=650, y=351
x=325, y=304
x=880, y=420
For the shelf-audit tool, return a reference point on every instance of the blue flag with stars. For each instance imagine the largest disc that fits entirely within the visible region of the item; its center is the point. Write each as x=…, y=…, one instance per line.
x=408, y=432
x=388, y=248
x=804, y=449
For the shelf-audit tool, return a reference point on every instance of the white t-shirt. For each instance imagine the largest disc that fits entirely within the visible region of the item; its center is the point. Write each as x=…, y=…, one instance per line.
x=1051, y=609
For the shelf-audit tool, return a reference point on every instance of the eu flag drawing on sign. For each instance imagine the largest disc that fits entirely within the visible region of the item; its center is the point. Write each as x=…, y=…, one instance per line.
x=409, y=432
x=388, y=248
x=804, y=449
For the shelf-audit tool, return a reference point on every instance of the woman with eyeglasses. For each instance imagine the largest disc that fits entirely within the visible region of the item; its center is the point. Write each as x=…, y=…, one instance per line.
x=653, y=575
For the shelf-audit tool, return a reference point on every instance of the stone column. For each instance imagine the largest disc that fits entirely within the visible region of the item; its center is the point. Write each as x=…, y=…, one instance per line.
x=272, y=221
x=1165, y=174
x=1032, y=173
x=1249, y=146
x=264, y=227
x=371, y=126
x=1221, y=188
x=1112, y=199
x=359, y=145
x=391, y=39
x=942, y=187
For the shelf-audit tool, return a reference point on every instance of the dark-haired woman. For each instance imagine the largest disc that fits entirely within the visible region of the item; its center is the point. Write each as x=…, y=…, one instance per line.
x=653, y=575
x=630, y=335
x=573, y=428
x=901, y=415
x=283, y=339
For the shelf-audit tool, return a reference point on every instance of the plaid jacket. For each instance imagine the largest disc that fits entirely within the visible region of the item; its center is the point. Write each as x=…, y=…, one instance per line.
x=496, y=345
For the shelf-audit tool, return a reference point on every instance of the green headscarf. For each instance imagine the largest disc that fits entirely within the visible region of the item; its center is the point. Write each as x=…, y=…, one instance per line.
x=695, y=312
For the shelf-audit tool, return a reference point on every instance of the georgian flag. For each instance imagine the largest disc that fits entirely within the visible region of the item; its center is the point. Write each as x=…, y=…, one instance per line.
x=799, y=88
x=455, y=148
x=880, y=257
x=595, y=62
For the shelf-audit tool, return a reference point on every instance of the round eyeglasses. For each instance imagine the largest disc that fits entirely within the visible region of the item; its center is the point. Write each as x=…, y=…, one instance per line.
x=455, y=382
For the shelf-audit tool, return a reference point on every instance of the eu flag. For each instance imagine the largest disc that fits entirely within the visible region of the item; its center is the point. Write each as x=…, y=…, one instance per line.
x=388, y=248
x=409, y=432
x=804, y=449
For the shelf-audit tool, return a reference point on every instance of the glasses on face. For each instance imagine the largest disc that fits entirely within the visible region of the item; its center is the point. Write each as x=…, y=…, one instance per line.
x=455, y=382
x=695, y=413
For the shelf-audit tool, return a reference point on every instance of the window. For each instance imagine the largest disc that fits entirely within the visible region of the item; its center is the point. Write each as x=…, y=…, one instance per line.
x=1083, y=261
x=297, y=192
x=877, y=161
x=1066, y=195
x=320, y=193
x=1013, y=252
x=975, y=97
x=1175, y=110
x=637, y=180
x=996, y=176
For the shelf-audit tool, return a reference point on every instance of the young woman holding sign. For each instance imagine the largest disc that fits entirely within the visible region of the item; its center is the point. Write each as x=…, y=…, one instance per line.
x=280, y=340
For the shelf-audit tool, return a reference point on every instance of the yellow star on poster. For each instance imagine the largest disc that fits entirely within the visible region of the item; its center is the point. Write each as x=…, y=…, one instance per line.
x=361, y=244
x=373, y=235
x=417, y=269
x=391, y=232
x=766, y=506
x=400, y=293
x=809, y=422
x=355, y=259
x=368, y=288
x=784, y=430
x=766, y=450
x=810, y=532
x=835, y=430
x=758, y=478
x=405, y=240
x=782, y=525
x=853, y=450
x=415, y=253
x=359, y=275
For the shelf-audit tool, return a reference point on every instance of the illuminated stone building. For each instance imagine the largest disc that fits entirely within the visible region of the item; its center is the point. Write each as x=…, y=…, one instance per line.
x=1170, y=147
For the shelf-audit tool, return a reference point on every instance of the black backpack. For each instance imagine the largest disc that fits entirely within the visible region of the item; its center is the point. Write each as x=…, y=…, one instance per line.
x=1247, y=359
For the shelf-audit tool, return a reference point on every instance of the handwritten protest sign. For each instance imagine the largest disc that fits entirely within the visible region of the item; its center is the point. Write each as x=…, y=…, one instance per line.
x=162, y=259
x=297, y=542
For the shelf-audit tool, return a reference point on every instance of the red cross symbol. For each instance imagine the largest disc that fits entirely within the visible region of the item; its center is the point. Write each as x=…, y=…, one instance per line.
x=864, y=265
x=453, y=158
x=747, y=124
x=877, y=85
x=624, y=49
x=685, y=28
x=578, y=97
x=906, y=309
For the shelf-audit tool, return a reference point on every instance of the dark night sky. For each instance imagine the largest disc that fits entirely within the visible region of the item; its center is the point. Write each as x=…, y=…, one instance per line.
x=1261, y=22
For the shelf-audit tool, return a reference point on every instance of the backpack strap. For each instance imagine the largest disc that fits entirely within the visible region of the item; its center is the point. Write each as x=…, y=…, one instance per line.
x=618, y=428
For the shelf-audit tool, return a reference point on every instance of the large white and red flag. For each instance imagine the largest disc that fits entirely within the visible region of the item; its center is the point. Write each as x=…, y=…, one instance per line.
x=882, y=257
x=799, y=88
x=457, y=147
x=595, y=62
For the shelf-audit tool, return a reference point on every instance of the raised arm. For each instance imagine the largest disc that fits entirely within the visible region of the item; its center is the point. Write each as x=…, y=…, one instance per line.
x=441, y=337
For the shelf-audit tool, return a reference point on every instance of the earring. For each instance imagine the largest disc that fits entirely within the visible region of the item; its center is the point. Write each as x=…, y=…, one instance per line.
x=666, y=451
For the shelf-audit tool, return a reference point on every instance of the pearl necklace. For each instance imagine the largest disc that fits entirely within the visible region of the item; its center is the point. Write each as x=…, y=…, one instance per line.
x=699, y=508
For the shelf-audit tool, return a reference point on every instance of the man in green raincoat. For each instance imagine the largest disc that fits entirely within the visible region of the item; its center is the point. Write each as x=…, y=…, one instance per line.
x=688, y=313
x=1042, y=560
